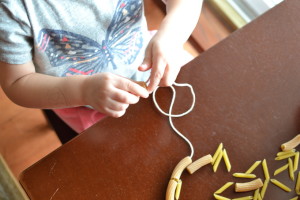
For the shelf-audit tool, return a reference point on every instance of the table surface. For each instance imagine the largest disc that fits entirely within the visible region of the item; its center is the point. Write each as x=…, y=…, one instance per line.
x=247, y=97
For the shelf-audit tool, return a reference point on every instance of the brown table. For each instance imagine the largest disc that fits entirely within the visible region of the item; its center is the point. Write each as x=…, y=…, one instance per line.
x=248, y=98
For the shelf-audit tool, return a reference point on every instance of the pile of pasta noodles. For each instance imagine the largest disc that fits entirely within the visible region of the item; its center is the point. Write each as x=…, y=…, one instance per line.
x=259, y=187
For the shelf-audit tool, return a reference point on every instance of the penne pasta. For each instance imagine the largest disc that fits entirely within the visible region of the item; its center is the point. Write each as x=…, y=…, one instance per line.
x=264, y=188
x=285, y=156
x=281, y=153
x=297, y=188
x=178, y=189
x=244, y=198
x=296, y=161
x=265, y=169
x=281, y=185
x=256, y=193
x=253, y=167
x=291, y=169
x=248, y=186
x=217, y=162
x=291, y=144
x=216, y=154
x=199, y=163
x=244, y=175
x=295, y=198
x=226, y=160
x=218, y=197
x=281, y=169
x=224, y=187
x=259, y=197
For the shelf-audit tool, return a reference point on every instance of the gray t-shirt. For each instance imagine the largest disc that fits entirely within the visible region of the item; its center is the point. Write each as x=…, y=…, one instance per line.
x=70, y=37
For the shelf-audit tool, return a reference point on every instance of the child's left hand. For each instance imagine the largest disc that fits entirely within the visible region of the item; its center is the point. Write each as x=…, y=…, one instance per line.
x=164, y=58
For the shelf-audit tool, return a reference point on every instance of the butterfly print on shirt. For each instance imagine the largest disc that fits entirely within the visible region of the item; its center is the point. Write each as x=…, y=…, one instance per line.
x=82, y=55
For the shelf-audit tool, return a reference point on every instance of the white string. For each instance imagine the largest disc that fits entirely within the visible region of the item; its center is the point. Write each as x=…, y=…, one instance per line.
x=170, y=115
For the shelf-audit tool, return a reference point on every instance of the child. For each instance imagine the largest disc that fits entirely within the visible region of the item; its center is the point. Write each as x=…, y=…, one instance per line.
x=77, y=57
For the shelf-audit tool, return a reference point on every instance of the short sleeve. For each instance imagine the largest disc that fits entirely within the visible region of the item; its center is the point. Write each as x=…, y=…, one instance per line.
x=15, y=33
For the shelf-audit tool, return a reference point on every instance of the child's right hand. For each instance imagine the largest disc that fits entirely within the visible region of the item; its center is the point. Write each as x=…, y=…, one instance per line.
x=111, y=94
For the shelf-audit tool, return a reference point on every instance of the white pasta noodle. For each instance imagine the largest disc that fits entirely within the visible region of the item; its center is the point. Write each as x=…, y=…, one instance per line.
x=248, y=186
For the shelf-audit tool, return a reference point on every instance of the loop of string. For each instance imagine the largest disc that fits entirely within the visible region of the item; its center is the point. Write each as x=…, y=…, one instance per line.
x=170, y=115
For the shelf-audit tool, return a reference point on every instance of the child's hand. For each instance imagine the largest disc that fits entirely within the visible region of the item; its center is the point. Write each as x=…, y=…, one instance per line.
x=164, y=58
x=111, y=94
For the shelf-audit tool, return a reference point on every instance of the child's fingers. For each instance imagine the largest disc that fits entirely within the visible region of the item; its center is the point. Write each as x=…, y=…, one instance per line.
x=114, y=113
x=124, y=97
x=157, y=73
x=117, y=106
x=132, y=87
x=146, y=65
x=169, y=76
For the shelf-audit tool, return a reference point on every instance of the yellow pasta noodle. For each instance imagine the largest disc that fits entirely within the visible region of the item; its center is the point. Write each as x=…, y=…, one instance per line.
x=199, y=163
x=297, y=188
x=218, y=151
x=281, y=185
x=224, y=187
x=281, y=153
x=285, y=156
x=220, y=197
x=248, y=186
x=265, y=169
x=217, y=162
x=295, y=198
x=244, y=175
x=296, y=161
x=226, y=160
x=291, y=144
x=253, y=167
x=291, y=169
x=259, y=197
x=264, y=188
x=244, y=198
x=178, y=189
x=281, y=169
x=256, y=193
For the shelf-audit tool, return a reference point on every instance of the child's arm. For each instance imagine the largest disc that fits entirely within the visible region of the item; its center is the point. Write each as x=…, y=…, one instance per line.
x=107, y=93
x=181, y=19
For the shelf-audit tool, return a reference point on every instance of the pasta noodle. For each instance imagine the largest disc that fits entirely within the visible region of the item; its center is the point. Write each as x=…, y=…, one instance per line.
x=281, y=185
x=199, y=163
x=244, y=175
x=226, y=160
x=218, y=151
x=178, y=189
x=264, y=188
x=256, y=193
x=281, y=153
x=244, y=198
x=291, y=144
x=248, y=186
x=291, y=169
x=297, y=188
x=141, y=83
x=281, y=169
x=253, y=167
x=224, y=187
x=296, y=161
x=288, y=155
x=220, y=197
x=265, y=168
x=217, y=162
x=295, y=198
